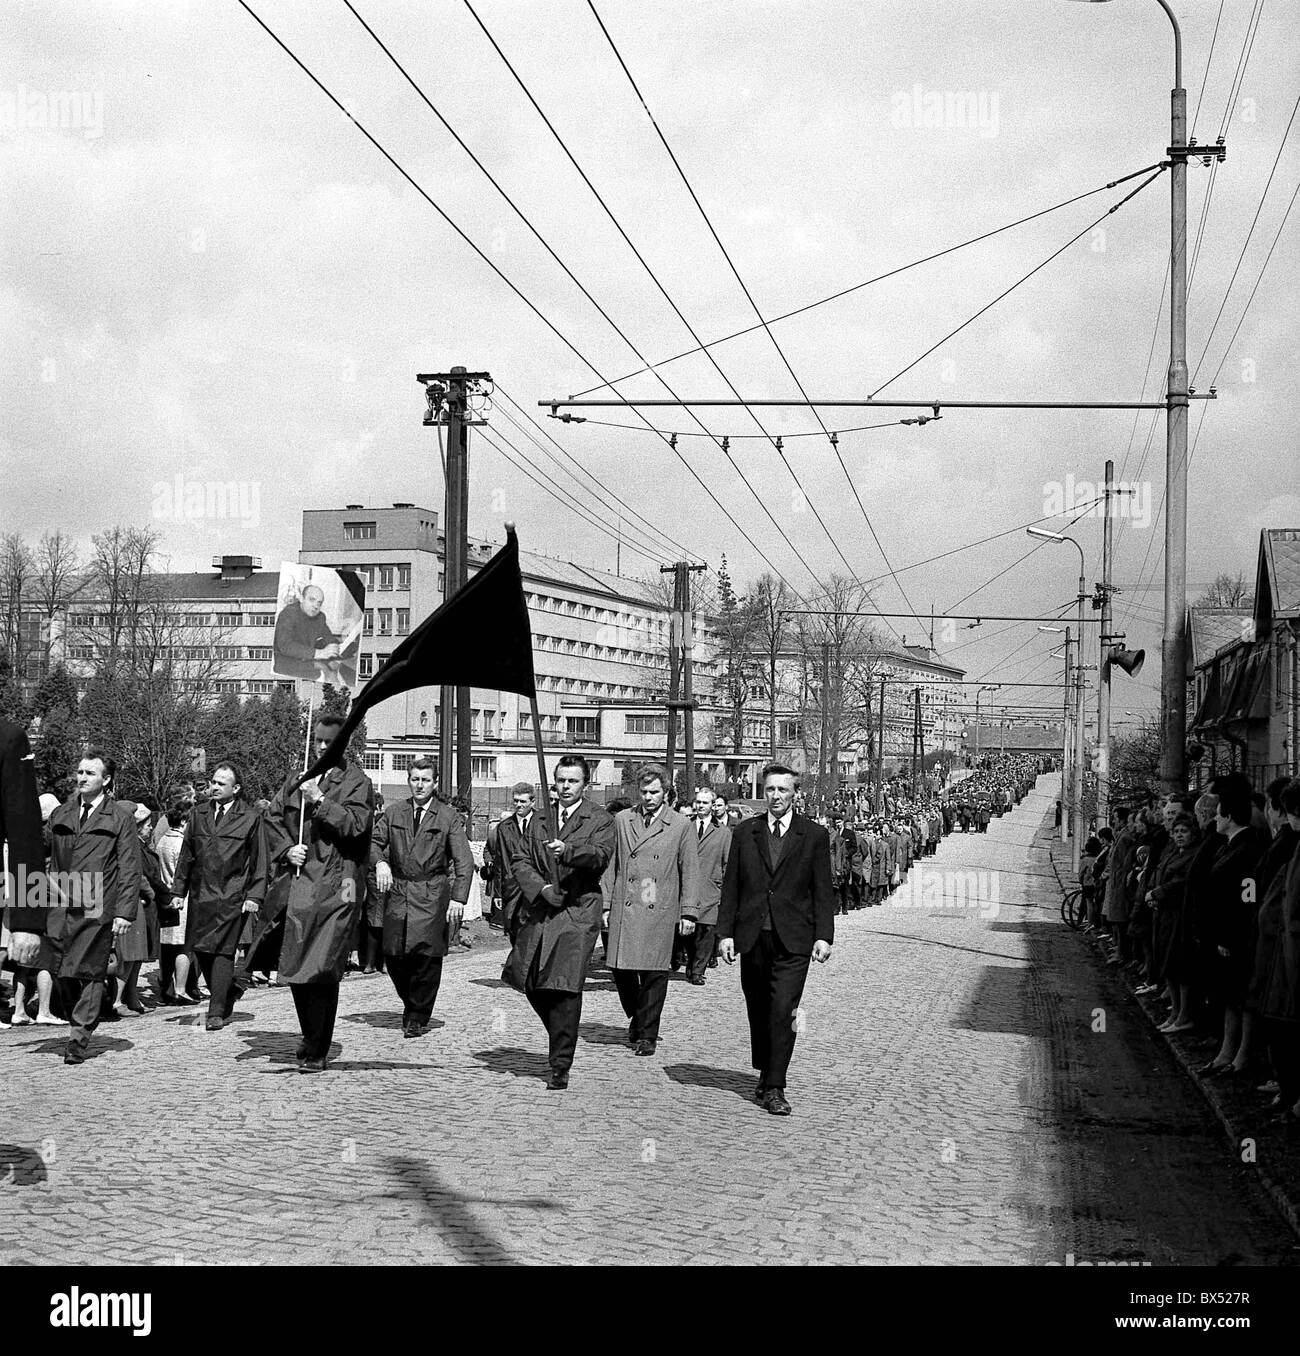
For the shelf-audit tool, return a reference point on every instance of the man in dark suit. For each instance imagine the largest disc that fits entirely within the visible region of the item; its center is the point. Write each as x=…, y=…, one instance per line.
x=423, y=868
x=777, y=913
x=223, y=868
x=23, y=844
x=511, y=833
x=559, y=922
x=95, y=860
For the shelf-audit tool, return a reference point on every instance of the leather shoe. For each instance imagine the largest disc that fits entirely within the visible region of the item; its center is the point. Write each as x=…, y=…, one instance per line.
x=557, y=1082
x=1210, y=1070
x=413, y=1029
x=760, y=1091
x=301, y=1052
x=215, y=1023
x=698, y=981
x=644, y=1048
x=774, y=1102
x=74, y=1056
x=311, y=1066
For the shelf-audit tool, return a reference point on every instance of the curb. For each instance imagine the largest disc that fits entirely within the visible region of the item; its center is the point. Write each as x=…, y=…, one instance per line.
x=1284, y=1193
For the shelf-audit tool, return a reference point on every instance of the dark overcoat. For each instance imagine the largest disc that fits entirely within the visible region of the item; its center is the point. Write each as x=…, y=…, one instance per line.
x=219, y=867
x=553, y=945
x=104, y=853
x=322, y=906
x=1268, y=993
x=431, y=867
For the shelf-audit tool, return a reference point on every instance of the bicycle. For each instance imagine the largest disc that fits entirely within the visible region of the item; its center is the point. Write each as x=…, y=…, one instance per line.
x=1073, y=910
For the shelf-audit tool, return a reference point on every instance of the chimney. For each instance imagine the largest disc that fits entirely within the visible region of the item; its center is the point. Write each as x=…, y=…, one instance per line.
x=236, y=567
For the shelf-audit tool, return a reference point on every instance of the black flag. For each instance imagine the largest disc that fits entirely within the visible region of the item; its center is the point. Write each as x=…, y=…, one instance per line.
x=479, y=637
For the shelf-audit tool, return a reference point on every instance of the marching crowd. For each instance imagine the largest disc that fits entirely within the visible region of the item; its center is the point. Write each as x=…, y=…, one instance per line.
x=324, y=877
x=1197, y=899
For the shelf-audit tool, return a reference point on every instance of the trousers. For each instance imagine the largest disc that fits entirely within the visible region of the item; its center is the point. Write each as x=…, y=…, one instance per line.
x=642, y=994
x=82, y=1001
x=699, y=949
x=218, y=974
x=772, y=981
x=318, y=1006
x=560, y=1014
x=416, y=979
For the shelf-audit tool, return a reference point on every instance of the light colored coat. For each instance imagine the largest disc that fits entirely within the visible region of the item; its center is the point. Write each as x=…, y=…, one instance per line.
x=714, y=849
x=655, y=882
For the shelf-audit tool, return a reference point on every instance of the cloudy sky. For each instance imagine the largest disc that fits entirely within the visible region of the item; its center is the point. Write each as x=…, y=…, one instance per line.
x=210, y=273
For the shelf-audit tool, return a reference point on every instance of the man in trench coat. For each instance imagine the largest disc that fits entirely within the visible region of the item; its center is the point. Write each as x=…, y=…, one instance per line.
x=327, y=895
x=423, y=867
x=559, y=916
x=713, y=839
x=654, y=894
x=97, y=875
x=223, y=869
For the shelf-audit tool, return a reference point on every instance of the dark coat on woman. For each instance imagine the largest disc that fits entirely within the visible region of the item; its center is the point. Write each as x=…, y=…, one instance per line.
x=1174, y=950
x=106, y=851
x=322, y=904
x=141, y=943
x=431, y=867
x=1268, y=993
x=219, y=867
x=553, y=945
x=1231, y=904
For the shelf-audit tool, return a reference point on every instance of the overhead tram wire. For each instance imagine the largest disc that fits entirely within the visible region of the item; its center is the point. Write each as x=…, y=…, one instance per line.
x=681, y=552
x=767, y=329
x=663, y=291
x=688, y=433
x=1043, y=264
x=513, y=287
x=868, y=282
x=490, y=437
x=1205, y=75
x=722, y=445
x=668, y=552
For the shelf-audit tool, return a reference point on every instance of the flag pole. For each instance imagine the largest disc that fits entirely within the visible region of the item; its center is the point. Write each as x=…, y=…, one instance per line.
x=306, y=763
x=545, y=807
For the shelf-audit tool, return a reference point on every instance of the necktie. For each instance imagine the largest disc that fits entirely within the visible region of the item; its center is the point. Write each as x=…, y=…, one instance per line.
x=419, y=815
x=649, y=818
x=701, y=833
x=85, y=810
x=776, y=830
x=221, y=814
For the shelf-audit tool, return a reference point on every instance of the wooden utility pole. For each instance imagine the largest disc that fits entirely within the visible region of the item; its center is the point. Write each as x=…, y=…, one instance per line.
x=823, y=739
x=880, y=752
x=681, y=667
x=448, y=394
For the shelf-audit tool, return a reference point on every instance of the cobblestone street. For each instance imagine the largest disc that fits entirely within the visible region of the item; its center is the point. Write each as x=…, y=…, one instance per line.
x=952, y=1103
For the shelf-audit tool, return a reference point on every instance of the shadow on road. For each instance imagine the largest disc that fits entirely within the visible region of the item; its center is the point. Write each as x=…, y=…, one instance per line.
x=706, y=1076
x=451, y=1214
x=99, y=1045
x=514, y=1061
x=20, y=1166
x=387, y=1021
x=600, y=1033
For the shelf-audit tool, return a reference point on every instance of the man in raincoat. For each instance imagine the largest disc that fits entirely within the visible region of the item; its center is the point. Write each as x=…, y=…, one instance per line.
x=423, y=866
x=96, y=874
x=324, y=878
x=655, y=893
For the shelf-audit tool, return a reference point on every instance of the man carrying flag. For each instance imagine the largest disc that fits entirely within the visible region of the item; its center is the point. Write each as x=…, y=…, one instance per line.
x=320, y=839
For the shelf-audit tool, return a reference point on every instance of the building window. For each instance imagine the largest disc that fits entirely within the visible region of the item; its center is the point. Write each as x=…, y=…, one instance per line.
x=226, y=685
x=791, y=731
x=489, y=723
x=260, y=652
x=403, y=621
x=372, y=762
x=227, y=619
x=367, y=575
x=385, y=579
x=483, y=768
x=359, y=531
x=402, y=762
x=366, y=666
x=442, y=587
x=647, y=725
x=261, y=619
x=403, y=576
x=385, y=621
x=368, y=624
x=583, y=729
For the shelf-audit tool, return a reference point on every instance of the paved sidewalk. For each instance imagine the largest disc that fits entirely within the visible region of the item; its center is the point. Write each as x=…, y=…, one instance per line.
x=937, y=1118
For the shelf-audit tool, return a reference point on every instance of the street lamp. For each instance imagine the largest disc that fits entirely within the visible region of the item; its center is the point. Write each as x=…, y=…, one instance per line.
x=988, y=687
x=1076, y=781
x=1173, y=653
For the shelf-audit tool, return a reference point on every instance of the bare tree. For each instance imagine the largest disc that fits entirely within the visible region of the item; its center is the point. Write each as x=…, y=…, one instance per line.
x=1227, y=591
x=737, y=624
x=58, y=578
x=17, y=565
x=121, y=584
x=771, y=599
